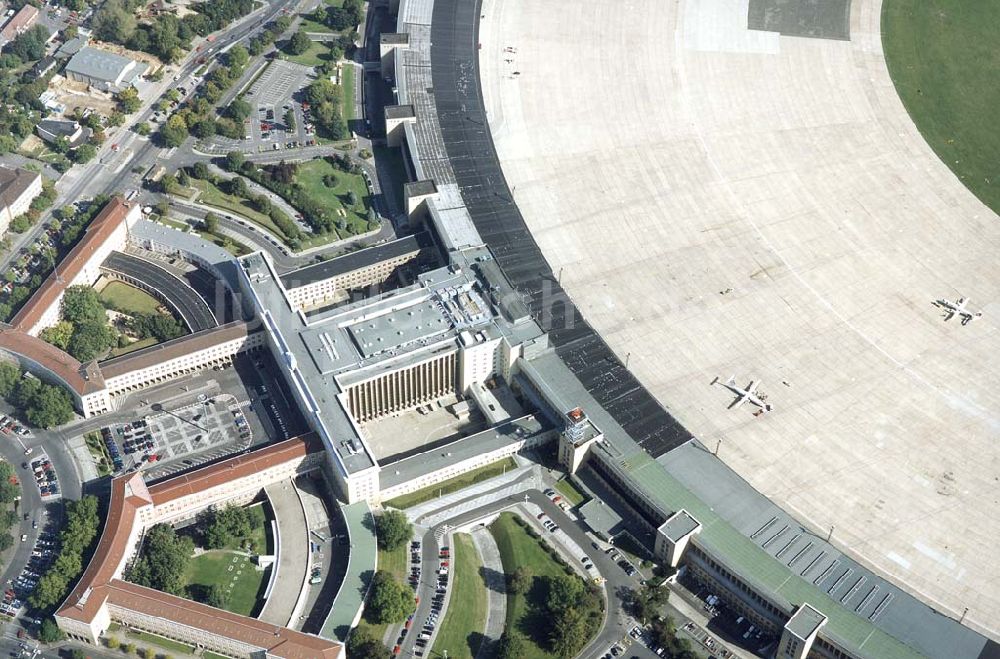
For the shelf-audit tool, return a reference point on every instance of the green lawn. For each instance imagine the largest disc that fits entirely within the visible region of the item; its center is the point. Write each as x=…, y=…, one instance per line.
x=452, y=484
x=396, y=562
x=570, y=493
x=164, y=643
x=310, y=25
x=225, y=242
x=241, y=579
x=129, y=299
x=99, y=451
x=347, y=90
x=517, y=548
x=318, y=53
x=943, y=58
x=461, y=630
x=212, y=196
x=180, y=226
x=310, y=177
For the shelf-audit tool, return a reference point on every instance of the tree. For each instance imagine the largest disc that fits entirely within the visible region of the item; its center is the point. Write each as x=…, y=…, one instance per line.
x=237, y=57
x=238, y=187
x=238, y=110
x=50, y=632
x=393, y=530
x=520, y=581
x=112, y=642
x=128, y=100
x=6, y=541
x=81, y=304
x=227, y=526
x=211, y=222
x=164, y=558
x=203, y=129
x=388, y=600
x=160, y=326
x=216, y=596
x=58, y=335
x=174, y=131
x=116, y=118
x=200, y=171
x=569, y=632
x=290, y=119
x=50, y=407
x=77, y=653
x=299, y=43
x=83, y=153
x=113, y=22
x=319, y=91
x=142, y=128
x=262, y=203
x=362, y=645
x=29, y=46
x=128, y=648
x=9, y=376
x=234, y=161
x=512, y=645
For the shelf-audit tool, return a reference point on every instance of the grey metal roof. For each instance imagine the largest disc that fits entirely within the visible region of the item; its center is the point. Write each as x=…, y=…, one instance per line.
x=362, y=561
x=399, y=112
x=679, y=525
x=361, y=258
x=98, y=64
x=600, y=517
x=805, y=621
x=394, y=38
x=428, y=461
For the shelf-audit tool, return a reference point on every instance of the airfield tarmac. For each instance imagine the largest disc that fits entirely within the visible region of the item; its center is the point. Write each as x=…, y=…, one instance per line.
x=725, y=201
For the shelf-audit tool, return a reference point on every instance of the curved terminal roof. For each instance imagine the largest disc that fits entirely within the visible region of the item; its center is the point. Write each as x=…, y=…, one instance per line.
x=721, y=200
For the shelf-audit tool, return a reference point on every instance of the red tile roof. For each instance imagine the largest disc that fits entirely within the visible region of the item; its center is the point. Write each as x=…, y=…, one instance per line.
x=233, y=468
x=278, y=641
x=107, y=221
x=22, y=20
x=82, y=378
x=128, y=494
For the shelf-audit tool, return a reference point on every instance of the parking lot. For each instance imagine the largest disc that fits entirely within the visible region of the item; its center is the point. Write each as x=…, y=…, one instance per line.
x=178, y=438
x=45, y=477
x=277, y=91
x=43, y=552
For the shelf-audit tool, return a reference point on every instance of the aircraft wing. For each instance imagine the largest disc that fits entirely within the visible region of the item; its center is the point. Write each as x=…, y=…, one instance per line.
x=736, y=403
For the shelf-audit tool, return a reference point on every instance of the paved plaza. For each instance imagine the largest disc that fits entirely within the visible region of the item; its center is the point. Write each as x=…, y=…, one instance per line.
x=181, y=438
x=724, y=201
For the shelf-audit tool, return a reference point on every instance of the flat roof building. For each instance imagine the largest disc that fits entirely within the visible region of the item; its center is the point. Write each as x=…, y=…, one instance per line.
x=103, y=70
x=353, y=364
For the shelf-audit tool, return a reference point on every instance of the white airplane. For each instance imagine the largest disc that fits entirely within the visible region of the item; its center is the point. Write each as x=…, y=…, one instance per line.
x=744, y=395
x=952, y=309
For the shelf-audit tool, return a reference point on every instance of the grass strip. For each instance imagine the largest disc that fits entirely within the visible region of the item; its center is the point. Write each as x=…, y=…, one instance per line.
x=461, y=630
x=452, y=484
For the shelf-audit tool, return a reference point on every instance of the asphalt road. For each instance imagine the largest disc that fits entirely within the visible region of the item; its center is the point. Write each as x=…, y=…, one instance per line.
x=194, y=311
x=616, y=623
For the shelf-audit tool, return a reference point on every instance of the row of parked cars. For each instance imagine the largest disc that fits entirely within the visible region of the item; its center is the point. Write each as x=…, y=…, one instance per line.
x=9, y=425
x=42, y=556
x=45, y=476
x=109, y=442
x=437, y=602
